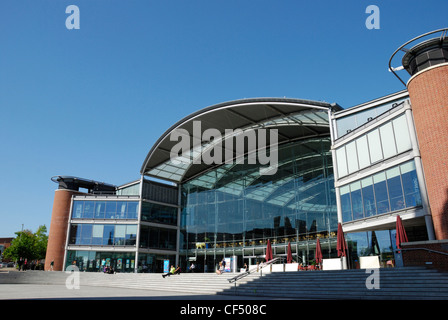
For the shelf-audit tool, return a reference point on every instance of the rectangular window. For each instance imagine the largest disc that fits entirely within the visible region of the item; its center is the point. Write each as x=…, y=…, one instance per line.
x=352, y=158
x=89, y=207
x=357, y=207
x=346, y=204
x=341, y=161
x=402, y=137
x=131, y=235
x=78, y=207
x=363, y=152
x=108, y=235
x=97, y=234
x=120, y=234
x=410, y=185
x=388, y=140
x=111, y=209
x=375, y=152
x=381, y=196
x=368, y=197
x=100, y=208
x=121, y=210
x=86, y=234
x=132, y=210
x=395, y=189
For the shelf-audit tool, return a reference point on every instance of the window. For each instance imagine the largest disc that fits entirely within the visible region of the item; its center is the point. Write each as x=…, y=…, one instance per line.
x=352, y=157
x=381, y=195
x=93, y=209
x=376, y=154
x=410, y=185
x=384, y=142
x=388, y=140
x=368, y=197
x=402, y=134
x=363, y=152
x=346, y=204
x=394, y=189
x=357, y=207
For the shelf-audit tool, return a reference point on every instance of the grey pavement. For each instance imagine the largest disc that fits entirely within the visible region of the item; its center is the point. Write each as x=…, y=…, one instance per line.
x=60, y=292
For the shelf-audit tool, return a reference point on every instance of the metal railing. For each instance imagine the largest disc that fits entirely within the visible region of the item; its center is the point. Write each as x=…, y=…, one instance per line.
x=255, y=269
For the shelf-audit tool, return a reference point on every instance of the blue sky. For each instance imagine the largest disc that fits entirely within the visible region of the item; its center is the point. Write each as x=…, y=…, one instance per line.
x=91, y=102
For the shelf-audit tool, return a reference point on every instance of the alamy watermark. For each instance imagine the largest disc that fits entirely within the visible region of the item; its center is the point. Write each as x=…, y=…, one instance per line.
x=212, y=147
x=373, y=280
x=73, y=280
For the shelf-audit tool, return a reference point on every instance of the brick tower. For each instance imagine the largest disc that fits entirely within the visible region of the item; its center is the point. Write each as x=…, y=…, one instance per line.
x=427, y=63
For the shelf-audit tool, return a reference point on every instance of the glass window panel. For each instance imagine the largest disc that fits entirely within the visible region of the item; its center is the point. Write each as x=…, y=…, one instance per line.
x=131, y=235
x=89, y=207
x=410, y=185
x=341, y=161
x=402, y=137
x=120, y=231
x=363, y=152
x=108, y=234
x=346, y=204
x=355, y=192
x=100, y=208
x=387, y=140
x=368, y=197
x=77, y=209
x=132, y=210
x=86, y=234
x=111, y=209
x=121, y=210
x=97, y=234
x=395, y=189
x=381, y=196
x=352, y=158
x=375, y=151
x=98, y=230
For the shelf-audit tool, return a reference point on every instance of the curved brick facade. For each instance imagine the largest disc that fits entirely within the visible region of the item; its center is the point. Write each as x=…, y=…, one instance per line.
x=58, y=229
x=428, y=92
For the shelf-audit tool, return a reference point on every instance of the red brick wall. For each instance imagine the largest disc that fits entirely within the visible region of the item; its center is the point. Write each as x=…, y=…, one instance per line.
x=428, y=92
x=58, y=229
x=425, y=258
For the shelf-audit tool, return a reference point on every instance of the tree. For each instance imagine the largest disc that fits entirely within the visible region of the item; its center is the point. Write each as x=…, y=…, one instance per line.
x=28, y=245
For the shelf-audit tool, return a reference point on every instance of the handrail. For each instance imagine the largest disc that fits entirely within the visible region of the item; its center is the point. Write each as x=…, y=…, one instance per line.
x=444, y=30
x=259, y=267
x=426, y=249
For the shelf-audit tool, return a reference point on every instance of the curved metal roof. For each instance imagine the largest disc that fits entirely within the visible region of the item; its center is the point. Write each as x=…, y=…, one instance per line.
x=293, y=118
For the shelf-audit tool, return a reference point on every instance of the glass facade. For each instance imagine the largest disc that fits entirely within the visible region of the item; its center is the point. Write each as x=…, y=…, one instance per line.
x=107, y=209
x=390, y=190
x=233, y=210
x=96, y=261
x=350, y=122
x=158, y=213
x=103, y=234
x=381, y=143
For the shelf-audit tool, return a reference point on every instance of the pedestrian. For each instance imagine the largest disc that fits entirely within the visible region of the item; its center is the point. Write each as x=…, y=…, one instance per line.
x=220, y=269
x=177, y=271
x=224, y=264
x=172, y=269
x=51, y=265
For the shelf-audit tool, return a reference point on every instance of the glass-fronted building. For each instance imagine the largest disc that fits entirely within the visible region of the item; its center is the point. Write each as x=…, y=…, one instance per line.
x=207, y=192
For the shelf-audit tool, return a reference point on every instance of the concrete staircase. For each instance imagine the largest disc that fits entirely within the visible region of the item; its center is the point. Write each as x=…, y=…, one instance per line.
x=391, y=284
x=394, y=284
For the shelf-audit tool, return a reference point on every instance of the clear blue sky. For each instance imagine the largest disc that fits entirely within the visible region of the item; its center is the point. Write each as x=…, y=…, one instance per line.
x=91, y=102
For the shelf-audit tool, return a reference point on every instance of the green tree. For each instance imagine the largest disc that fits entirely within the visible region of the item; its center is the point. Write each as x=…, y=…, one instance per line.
x=28, y=245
